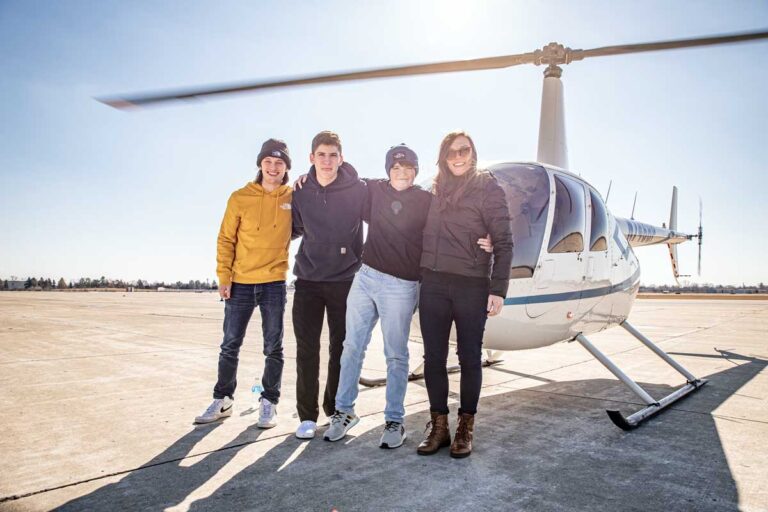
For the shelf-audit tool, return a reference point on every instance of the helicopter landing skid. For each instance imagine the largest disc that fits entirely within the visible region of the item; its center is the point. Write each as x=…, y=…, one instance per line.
x=418, y=373
x=652, y=406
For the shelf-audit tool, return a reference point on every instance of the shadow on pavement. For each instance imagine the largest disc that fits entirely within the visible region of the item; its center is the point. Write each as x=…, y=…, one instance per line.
x=163, y=480
x=550, y=447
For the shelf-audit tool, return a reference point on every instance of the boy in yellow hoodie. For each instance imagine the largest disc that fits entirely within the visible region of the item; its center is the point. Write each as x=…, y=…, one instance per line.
x=252, y=262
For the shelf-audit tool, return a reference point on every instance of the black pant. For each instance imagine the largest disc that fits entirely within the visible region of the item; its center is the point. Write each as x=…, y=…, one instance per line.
x=310, y=301
x=445, y=299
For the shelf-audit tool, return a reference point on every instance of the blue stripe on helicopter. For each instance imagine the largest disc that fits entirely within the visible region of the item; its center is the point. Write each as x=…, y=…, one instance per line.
x=576, y=295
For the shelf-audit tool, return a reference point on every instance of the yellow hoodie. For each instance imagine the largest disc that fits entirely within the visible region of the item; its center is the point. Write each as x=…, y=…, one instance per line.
x=254, y=236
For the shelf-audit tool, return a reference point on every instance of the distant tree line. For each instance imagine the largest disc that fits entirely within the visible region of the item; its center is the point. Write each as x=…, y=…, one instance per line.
x=33, y=283
x=705, y=288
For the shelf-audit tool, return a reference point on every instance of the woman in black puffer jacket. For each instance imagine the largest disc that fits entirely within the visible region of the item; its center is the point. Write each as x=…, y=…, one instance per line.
x=460, y=283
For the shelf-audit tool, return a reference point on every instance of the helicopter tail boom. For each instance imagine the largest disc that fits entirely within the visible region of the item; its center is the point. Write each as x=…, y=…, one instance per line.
x=640, y=233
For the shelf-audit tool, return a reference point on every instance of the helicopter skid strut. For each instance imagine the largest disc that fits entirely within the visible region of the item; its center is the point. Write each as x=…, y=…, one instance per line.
x=418, y=373
x=653, y=406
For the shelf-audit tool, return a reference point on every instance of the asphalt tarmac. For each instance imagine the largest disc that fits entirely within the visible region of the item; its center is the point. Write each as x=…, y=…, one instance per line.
x=98, y=392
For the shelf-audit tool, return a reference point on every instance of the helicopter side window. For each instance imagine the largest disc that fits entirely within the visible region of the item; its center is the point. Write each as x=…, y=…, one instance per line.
x=598, y=239
x=527, y=192
x=570, y=217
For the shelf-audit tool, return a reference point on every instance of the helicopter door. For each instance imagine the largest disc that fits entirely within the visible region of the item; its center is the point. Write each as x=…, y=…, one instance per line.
x=563, y=265
x=597, y=276
x=526, y=188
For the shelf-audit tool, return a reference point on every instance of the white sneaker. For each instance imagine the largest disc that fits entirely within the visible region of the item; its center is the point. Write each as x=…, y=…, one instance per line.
x=341, y=422
x=219, y=408
x=267, y=413
x=306, y=430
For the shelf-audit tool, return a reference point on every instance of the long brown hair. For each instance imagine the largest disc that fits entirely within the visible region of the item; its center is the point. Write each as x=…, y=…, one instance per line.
x=443, y=171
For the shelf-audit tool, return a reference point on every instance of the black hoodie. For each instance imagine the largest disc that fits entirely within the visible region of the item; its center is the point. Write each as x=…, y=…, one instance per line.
x=330, y=221
x=395, y=228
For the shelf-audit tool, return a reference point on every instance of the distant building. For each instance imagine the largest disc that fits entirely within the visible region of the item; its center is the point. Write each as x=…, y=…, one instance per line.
x=16, y=285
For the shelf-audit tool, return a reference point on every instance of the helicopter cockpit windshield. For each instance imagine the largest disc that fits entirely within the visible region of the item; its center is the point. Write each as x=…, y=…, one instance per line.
x=527, y=191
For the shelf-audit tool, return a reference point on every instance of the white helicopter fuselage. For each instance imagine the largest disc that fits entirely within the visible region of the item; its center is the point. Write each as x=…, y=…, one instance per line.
x=573, y=270
x=576, y=287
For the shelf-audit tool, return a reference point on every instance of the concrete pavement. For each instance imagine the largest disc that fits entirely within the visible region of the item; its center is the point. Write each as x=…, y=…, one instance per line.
x=99, y=391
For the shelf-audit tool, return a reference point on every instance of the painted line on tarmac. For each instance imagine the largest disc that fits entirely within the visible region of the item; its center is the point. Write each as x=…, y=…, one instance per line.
x=15, y=497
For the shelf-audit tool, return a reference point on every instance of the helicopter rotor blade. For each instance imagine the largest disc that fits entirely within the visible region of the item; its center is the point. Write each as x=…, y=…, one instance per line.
x=399, y=71
x=668, y=45
x=553, y=54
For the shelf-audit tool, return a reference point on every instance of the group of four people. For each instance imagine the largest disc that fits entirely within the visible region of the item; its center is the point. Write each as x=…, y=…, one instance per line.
x=431, y=249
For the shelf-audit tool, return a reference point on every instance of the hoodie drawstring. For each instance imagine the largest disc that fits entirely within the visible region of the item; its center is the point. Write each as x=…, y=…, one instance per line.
x=261, y=207
x=277, y=203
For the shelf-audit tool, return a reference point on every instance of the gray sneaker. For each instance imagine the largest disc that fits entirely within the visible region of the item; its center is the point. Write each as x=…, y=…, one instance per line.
x=393, y=435
x=341, y=422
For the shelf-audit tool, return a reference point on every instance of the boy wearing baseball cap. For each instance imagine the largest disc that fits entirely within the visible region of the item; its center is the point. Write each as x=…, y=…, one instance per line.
x=252, y=261
x=386, y=289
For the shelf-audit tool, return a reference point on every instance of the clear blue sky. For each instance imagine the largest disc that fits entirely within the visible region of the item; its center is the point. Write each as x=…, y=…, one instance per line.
x=86, y=190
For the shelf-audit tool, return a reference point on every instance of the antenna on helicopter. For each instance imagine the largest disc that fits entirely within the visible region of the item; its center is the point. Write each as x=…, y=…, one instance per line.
x=607, y=194
x=632, y=217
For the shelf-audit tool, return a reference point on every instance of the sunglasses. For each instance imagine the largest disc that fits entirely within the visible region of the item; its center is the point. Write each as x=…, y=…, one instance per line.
x=458, y=153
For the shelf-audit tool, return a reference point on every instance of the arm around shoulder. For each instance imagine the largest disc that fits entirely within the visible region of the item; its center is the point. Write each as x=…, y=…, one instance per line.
x=297, y=224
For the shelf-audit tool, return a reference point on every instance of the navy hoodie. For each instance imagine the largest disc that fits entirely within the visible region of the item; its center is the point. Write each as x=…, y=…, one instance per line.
x=329, y=220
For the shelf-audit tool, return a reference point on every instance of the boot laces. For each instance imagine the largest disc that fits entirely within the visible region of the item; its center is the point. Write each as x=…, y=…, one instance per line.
x=463, y=429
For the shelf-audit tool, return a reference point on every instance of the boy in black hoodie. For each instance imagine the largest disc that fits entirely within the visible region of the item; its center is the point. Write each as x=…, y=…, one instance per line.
x=327, y=214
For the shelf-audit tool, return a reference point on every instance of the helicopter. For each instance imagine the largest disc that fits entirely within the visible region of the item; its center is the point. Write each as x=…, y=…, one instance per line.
x=574, y=271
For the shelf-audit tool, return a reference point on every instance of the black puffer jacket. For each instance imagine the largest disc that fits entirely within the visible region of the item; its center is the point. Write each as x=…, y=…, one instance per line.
x=450, y=236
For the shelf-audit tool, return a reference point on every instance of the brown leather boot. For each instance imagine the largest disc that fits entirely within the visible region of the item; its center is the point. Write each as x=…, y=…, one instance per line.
x=437, y=433
x=462, y=441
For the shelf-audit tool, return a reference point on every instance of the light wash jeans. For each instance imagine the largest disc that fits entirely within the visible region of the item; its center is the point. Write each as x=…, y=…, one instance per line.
x=377, y=295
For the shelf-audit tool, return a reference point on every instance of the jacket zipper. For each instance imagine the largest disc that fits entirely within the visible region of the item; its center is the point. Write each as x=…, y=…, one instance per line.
x=437, y=239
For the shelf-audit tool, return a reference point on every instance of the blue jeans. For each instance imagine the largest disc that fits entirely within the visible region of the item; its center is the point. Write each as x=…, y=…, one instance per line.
x=243, y=299
x=377, y=295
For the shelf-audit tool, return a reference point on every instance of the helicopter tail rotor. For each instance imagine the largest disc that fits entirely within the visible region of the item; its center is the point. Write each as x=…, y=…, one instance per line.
x=700, y=235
